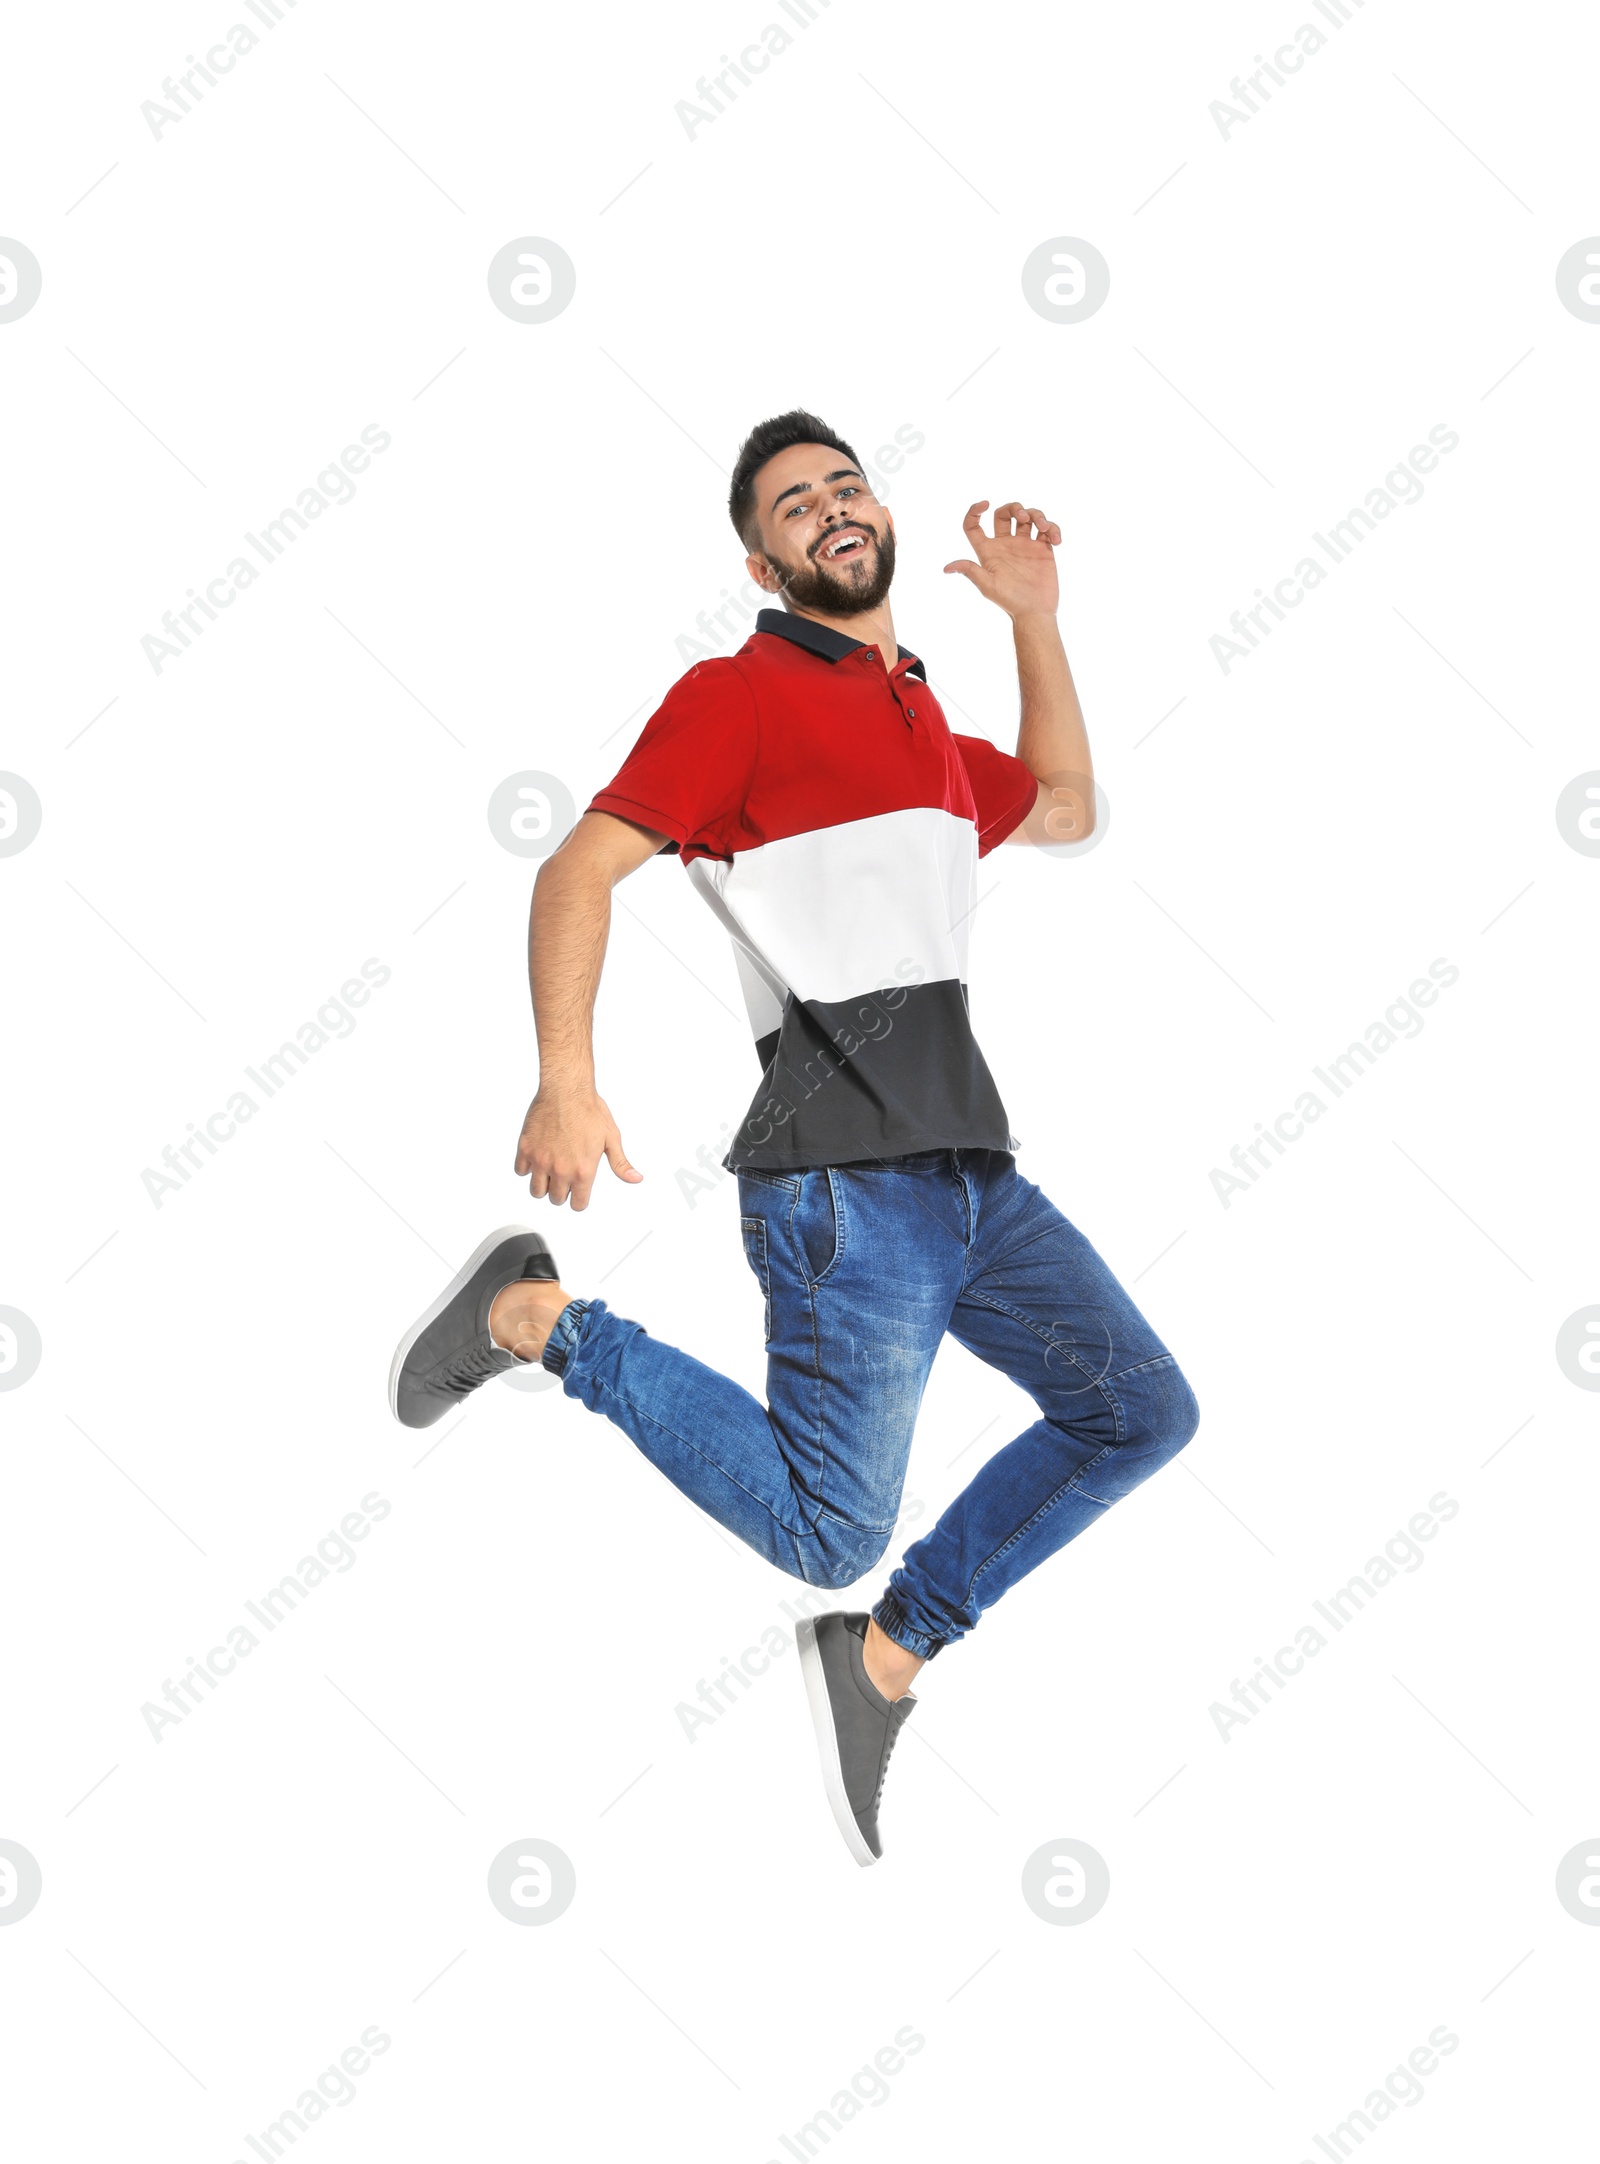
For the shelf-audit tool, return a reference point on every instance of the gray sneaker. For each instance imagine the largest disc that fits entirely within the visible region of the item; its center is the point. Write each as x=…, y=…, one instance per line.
x=448, y=1351
x=856, y=1725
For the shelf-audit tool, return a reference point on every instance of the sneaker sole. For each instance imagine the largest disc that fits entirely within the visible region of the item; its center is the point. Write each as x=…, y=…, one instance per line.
x=828, y=1742
x=475, y=1261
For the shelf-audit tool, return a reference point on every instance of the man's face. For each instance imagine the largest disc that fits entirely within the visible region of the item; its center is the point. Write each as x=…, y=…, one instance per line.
x=826, y=543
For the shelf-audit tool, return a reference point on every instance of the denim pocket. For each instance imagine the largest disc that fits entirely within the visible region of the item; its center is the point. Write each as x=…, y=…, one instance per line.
x=753, y=1230
x=817, y=1224
x=758, y=1176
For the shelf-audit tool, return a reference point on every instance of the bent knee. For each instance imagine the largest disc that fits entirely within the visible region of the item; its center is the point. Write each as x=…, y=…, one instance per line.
x=839, y=1556
x=1164, y=1412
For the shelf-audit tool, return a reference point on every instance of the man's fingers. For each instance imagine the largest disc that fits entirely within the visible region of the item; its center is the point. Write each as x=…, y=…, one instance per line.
x=1048, y=530
x=580, y=1190
x=617, y=1159
x=971, y=570
x=1005, y=520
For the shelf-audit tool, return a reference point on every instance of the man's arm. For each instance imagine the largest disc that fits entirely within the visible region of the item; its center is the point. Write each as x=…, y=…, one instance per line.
x=569, y=1128
x=1016, y=570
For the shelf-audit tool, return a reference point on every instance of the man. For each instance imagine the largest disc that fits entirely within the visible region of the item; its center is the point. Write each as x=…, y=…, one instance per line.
x=832, y=821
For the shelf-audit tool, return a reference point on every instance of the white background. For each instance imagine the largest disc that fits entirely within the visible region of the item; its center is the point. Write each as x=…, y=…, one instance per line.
x=1291, y=844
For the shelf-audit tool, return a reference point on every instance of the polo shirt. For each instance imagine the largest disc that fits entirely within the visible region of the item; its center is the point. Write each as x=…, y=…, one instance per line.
x=832, y=821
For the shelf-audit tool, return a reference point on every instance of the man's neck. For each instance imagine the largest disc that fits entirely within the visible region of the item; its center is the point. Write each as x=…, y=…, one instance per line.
x=874, y=627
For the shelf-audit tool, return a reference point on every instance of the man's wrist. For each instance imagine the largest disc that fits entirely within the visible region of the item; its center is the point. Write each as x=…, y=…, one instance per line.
x=565, y=1085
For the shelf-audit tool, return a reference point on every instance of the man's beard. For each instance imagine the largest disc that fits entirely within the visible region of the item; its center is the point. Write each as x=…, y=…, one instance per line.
x=814, y=586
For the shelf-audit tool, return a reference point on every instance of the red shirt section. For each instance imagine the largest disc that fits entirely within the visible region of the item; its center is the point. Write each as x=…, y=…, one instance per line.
x=786, y=737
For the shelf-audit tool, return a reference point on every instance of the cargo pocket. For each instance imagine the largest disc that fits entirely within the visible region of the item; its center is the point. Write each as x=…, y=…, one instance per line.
x=754, y=1232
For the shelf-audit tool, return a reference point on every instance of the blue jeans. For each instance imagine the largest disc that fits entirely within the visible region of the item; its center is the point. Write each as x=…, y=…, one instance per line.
x=863, y=1269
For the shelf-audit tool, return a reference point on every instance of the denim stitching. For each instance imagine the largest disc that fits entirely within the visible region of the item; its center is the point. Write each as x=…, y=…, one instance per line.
x=639, y=1413
x=1143, y=1367
x=1066, y=1488
x=790, y=1186
x=838, y=1233
x=1097, y=1382
x=762, y=1271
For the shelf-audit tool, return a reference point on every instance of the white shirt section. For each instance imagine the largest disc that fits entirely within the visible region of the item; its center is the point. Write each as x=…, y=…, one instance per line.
x=846, y=910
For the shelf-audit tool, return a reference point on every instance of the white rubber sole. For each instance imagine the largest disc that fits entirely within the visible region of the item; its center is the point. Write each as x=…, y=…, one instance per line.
x=479, y=1255
x=828, y=1742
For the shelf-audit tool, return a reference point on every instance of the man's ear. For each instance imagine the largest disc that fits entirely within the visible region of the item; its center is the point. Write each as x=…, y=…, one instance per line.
x=761, y=574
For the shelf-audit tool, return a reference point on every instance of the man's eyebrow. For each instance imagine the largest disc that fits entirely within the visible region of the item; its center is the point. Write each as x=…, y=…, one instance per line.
x=804, y=488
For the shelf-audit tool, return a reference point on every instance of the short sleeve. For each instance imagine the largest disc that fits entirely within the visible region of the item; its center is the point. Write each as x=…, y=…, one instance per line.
x=687, y=775
x=1003, y=789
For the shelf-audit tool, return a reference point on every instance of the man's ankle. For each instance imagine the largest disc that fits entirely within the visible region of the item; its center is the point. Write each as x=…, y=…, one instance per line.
x=522, y=1316
x=891, y=1669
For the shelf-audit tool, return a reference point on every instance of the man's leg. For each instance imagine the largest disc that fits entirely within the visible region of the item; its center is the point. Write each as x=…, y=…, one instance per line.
x=859, y=1271
x=1038, y=1303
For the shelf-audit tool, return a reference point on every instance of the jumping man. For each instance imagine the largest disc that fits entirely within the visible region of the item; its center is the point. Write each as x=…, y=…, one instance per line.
x=820, y=803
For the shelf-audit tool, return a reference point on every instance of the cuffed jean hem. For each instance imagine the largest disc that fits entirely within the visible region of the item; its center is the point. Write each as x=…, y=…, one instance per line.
x=890, y=1618
x=562, y=1342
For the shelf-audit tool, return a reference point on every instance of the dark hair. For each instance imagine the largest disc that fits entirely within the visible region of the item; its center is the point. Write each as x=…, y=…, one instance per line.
x=765, y=441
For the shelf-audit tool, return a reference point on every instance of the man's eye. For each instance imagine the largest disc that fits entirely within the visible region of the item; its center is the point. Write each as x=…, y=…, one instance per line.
x=796, y=510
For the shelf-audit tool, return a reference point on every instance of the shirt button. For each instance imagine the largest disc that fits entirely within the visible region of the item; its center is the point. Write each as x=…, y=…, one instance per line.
x=911, y=710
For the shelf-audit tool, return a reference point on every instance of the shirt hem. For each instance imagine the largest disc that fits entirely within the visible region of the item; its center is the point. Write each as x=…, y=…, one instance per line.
x=641, y=815
x=912, y=1146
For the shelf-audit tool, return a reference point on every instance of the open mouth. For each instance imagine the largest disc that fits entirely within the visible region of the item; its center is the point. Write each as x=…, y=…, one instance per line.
x=851, y=543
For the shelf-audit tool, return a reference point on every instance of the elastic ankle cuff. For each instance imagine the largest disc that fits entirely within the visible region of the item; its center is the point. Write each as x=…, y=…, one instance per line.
x=890, y=1618
x=562, y=1342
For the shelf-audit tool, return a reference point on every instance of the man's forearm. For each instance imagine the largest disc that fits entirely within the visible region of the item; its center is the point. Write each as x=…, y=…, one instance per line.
x=1052, y=742
x=568, y=926
x=1051, y=738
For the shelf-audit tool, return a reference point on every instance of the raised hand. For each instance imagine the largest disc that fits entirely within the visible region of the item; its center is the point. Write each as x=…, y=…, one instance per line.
x=1016, y=566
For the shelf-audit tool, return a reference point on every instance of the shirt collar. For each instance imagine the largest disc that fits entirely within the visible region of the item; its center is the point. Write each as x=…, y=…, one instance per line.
x=822, y=638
